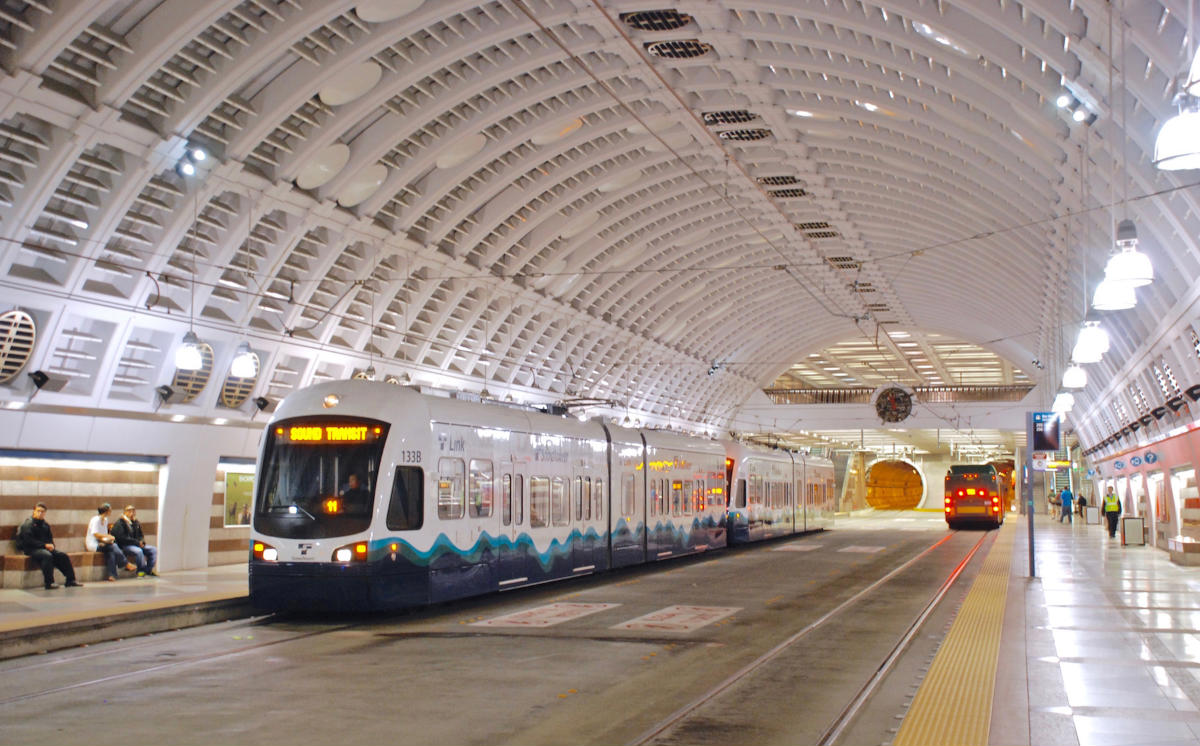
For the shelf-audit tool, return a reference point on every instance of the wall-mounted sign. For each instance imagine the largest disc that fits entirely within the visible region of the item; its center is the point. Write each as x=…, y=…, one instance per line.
x=1118, y=465
x=1151, y=457
x=1135, y=461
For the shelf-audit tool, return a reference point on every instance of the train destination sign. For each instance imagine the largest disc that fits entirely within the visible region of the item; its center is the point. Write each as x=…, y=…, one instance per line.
x=328, y=432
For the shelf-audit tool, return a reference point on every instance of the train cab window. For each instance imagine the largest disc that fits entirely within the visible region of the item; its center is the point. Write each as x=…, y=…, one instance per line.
x=506, y=499
x=627, y=494
x=481, y=488
x=539, y=502
x=451, y=480
x=598, y=499
x=406, y=509
x=518, y=500
x=587, y=499
x=578, y=495
x=741, y=493
x=560, y=509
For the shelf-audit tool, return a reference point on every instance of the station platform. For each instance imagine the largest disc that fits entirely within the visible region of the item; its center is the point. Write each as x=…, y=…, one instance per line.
x=38, y=620
x=1101, y=647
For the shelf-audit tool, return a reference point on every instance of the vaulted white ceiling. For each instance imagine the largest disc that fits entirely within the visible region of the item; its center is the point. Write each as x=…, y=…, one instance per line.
x=556, y=198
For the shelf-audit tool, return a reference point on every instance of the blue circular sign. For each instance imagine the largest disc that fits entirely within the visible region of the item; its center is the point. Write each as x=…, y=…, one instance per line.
x=1151, y=457
x=1118, y=465
x=1135, y=461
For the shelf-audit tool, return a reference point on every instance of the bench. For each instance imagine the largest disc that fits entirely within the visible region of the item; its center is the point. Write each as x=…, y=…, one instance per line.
x=20, y=571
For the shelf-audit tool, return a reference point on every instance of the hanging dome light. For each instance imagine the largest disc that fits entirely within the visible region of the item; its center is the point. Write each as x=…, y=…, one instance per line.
x=1091, y=344
x=188, y=355
x=1113, y=296
x=1177, y=146
x=1129, y=266
x=1064, y=402
x=1074, y=377
x=245, y=362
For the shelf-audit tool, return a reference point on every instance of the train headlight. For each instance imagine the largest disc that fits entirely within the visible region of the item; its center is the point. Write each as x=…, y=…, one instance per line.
x=356, y=552
x=264, y=551
x=270, y=554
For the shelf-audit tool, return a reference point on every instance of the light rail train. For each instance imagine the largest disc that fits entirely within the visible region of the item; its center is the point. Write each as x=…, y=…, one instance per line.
x=370, y=496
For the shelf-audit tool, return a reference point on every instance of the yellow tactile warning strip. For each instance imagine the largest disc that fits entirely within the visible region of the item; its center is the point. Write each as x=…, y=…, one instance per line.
x=157, y=604
x=954, y=704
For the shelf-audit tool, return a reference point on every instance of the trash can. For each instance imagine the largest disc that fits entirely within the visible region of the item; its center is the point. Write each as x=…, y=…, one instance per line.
x=1091, y=514
x=1133, y=531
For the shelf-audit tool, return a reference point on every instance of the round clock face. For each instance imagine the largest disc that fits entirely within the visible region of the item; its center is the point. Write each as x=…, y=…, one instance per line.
x=893, y=405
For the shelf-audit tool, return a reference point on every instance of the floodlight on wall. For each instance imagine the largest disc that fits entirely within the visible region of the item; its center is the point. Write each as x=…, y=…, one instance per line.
x=42, y=381
x=1074, y=377
x=188, y=355
x=1128, y=267
x=262, y=403
x=245, y=362
x=165, y=393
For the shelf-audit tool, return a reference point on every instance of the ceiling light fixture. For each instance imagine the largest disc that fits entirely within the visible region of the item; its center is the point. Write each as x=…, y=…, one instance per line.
x=1113, y=296
x=245, y=362
x=1074, y=377
x=188, y=355
x=1177, y=146
x=1063, y=403
x=1091, y=344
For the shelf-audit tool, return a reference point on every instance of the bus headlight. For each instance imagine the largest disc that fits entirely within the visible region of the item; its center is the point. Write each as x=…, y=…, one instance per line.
x=356, y=552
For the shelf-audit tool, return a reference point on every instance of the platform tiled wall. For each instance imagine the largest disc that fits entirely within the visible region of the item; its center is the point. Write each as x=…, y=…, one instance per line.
x=227, y=545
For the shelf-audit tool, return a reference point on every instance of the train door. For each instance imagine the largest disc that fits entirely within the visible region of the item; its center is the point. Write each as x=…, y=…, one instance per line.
x=510, y=565
x=583, y=543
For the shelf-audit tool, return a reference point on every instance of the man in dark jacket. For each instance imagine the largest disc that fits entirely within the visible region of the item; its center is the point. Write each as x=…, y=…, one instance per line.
x=35, y=539
x=128, y=533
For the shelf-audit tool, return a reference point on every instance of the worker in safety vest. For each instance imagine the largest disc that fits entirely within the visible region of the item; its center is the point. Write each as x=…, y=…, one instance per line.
x=1112, y=511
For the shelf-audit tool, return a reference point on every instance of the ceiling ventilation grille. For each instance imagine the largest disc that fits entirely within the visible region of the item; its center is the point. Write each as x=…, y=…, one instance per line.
x=816, y=225
x=679, y=49
x=789, y=193
x=238, y=389
x=822, y=234
x=745, y=135
x=731, y=116
x=844, y=262
x=191, y=382
x=862, y=287
x=17, y=334
x=877, y=307
x=777, y=180
x=656, y=20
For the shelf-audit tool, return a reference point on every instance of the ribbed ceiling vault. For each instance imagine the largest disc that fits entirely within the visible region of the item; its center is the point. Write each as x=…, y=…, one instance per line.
x=522, y=196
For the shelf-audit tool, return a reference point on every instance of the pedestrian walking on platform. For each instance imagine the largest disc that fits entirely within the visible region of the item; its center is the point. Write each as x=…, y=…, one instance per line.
x=1066, y=498
x=1112, y=511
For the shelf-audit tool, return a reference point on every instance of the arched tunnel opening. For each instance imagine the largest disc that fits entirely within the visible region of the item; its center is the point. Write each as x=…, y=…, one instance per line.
x=893, y=485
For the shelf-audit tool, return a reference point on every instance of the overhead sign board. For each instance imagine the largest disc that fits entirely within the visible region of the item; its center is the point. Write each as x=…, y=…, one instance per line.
x=1044, y=431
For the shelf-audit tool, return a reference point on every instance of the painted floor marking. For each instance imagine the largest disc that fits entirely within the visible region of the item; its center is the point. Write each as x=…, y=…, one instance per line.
x=679, y=618
x=861, y=549
x=544, y=616
x=796, y=547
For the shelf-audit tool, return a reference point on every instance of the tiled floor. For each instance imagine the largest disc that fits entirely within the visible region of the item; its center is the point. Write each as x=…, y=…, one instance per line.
x=1111, y=642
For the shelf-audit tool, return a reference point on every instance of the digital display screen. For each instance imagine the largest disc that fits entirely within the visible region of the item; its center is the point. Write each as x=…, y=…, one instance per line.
x=328, y=432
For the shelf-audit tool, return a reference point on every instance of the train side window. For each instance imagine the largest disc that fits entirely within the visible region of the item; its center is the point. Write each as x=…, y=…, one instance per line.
x=587, y=498
x=741, y=493
x=578, y=495
x=481, y=488
x=539, y=502
x=506, y=499
x=676, y=496
x=598, y=499
x=627, y=495
x=451, y=479
x=560, y=509
x=519, y=500
x=406, y=509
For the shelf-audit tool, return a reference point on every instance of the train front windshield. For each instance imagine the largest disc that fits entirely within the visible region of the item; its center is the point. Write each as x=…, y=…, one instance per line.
x=318, y=477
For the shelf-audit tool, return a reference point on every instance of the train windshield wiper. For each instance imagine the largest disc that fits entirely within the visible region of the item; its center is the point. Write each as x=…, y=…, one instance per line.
x=294, y=509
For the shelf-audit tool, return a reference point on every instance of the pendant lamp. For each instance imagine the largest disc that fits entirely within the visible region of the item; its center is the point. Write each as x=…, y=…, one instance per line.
x=1074, y=377
x=1064, y=402
x=1091, y=344
x=1111, y=296
x=188, y=355
x=1128, y=266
